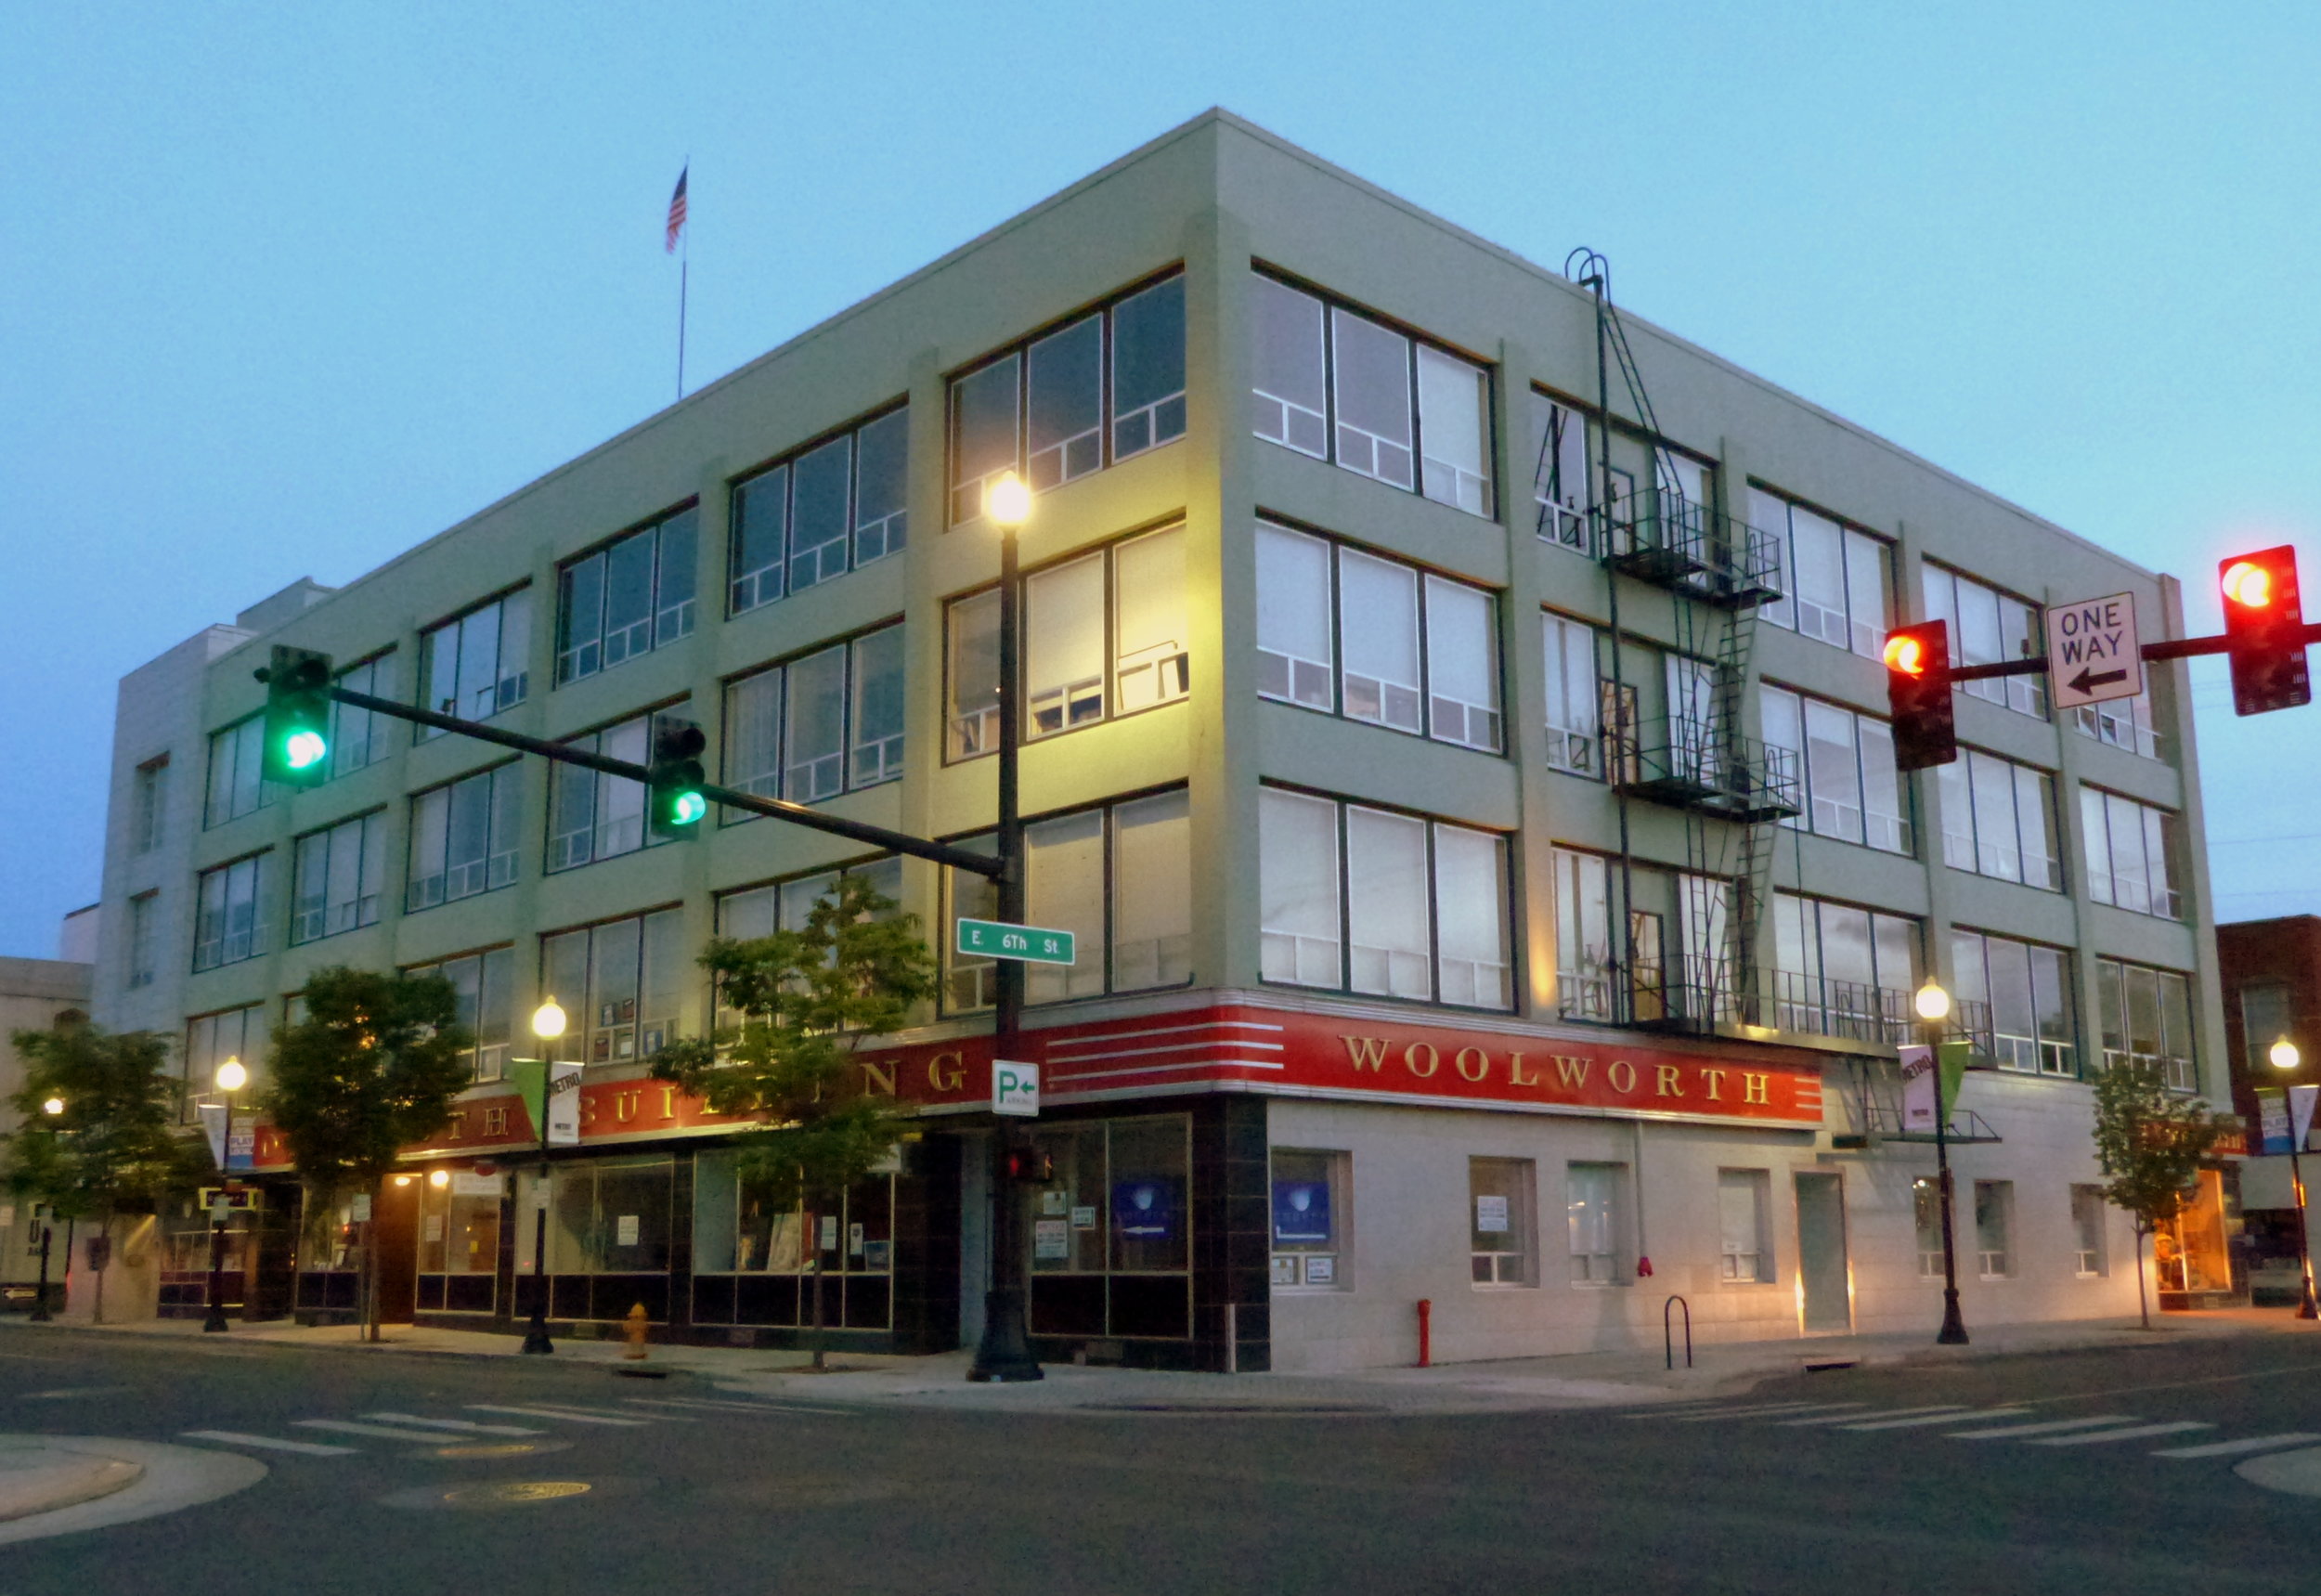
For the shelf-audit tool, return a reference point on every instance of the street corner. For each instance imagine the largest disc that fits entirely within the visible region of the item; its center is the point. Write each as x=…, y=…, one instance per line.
x=60, y=1485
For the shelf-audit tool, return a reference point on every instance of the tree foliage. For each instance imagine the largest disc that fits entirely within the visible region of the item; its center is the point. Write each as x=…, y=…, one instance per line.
x=115, y=1146
x=2151, y=1141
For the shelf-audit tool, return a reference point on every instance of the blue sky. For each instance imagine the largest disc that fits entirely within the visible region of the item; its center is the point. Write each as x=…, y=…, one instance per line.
x=285, y=289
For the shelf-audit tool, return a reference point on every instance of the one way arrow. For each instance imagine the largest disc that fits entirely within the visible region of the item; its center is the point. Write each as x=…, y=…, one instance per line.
x=2086, y=681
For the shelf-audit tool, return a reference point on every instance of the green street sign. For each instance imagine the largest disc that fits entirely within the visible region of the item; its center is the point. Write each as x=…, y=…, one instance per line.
x=995, y=939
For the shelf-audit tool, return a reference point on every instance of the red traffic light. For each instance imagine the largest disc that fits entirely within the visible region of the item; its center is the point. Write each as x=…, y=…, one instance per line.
x=2265, y=630
x=1918, y=692
x=1906, y=652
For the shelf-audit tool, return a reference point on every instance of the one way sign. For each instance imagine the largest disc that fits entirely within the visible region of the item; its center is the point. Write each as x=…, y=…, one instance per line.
x=2093, y=650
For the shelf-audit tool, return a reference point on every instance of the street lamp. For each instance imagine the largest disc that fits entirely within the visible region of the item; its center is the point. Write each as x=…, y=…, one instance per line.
x=1934, y=1008
x=1005, y=1351
x=53, y=1107
x=548, y=1024
x=229, y=1078
x=2283, y=1055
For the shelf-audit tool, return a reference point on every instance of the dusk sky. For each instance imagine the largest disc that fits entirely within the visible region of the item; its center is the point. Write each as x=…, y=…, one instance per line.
x=290, y=287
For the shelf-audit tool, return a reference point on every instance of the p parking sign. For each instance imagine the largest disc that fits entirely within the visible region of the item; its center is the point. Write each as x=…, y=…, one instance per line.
x=1015, y=1089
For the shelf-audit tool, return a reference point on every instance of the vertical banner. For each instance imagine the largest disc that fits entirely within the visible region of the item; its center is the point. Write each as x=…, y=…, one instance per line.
x=2272, y=1119
x=213, y=1130
x=1919, y=1110
x=561, y=1084
x=2301, y=1100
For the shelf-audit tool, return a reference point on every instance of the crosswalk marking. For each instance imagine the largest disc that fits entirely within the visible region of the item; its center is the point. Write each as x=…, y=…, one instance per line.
x=1951, y=1409
x=2135, y=1433
x=462, y=1426
x=377, y=1431
x=712, y=1402
x=1943, y=1418
x=268, y=1443
x=2052, y=1426
x=577, y=1416
x=1764, y=1411
x=2233, y=1449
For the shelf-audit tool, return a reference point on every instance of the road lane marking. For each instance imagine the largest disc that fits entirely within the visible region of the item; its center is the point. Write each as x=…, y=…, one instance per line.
x=575, y=1416
x=709, y=1402
x=464, y=1426
x=268, y=1443
x=2052, y=1426
x=377, y=1431
x=2135, y=1433
x=1764, y=1411
x=1937, y=1419
x=2233, y=1449
x=1948, y=1409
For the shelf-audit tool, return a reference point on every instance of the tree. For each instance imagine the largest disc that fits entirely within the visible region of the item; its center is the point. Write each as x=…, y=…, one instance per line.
x=114, y=1148
x=808, y=999
x=371, y=1068
x=2151, y=1141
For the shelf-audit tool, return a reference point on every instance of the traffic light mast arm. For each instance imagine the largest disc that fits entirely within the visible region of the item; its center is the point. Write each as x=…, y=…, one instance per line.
x=814, y=819
x=2178, y=648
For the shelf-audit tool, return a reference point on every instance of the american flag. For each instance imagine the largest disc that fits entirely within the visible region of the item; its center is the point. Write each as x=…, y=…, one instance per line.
x=677, y=209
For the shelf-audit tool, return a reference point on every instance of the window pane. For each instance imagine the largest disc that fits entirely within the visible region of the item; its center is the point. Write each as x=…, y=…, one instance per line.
x=667, y=977
x=2035, y=821
x=1885, y=816
x=627, y=598
x=580, y=619
x=814, y=727
x=2130, y=877
x=967, y=979
x=762, y=538
x=2013, y=1017
x=673, y=595
x=612, y=1015
x=1064, y=889
x=1499, y=1220
x=571, y=812
x=1978, y=637
x=1834, y=771
x=2022, y=637
x=753, y=735
x=1152, y=892
x=477, y=693
x=972, y=642
x=467, y=846
x=515, y=650
x=1064, y=647
x=1297, y=847
x=1896, y=949
x=881, y=486
x=1287, y=397
x=1387, y=919
x=2095, y=841
x=1866, y=594
x=2156, y=829
x=1148, y=368
x=1372, y=390
x=1470, y=899
x=878, y=755
x=620, y=804
x=1583, y=936
x=1455, y=427
x=1559, y=439
x=1463, y=665
x=1818, y=575
x=507, y=823
x=2050, y=1004
x=821, y=517
x=1065, y=412
x=983, y=432
x=1591, y=1221
x=1380, y=625
x=1571, y=696
x=1294, y=657
x=1150, y=621
x=1997, y=850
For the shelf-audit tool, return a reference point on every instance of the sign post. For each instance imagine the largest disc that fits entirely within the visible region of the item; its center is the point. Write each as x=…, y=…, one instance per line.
x=2094, y=652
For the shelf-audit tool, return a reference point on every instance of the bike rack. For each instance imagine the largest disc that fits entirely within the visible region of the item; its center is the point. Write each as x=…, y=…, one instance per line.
x=1668, y=1331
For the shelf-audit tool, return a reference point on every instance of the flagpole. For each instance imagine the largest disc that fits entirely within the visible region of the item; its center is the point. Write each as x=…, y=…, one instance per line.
x=684, y=269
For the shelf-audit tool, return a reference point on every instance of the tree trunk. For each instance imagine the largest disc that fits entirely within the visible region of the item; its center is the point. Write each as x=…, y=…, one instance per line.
x=105, y=1237
x=2143, y=1305
x=371, y=1276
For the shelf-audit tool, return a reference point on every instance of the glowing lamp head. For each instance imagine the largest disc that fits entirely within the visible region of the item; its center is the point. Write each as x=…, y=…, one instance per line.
x=1008, y=502
x=1932, y=1003
x=688, y=807
x=1907, y=655
x=402, y=1180
x=53, y=1106
x=2283, y=1055
x=2248, y=584
x=439, y=1178
x=304, y=750
x=548, y=1020
x=231, y=1076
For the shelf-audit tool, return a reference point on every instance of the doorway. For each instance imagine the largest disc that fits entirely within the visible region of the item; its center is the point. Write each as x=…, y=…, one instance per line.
x=1821, y=1269
x=395, y=1237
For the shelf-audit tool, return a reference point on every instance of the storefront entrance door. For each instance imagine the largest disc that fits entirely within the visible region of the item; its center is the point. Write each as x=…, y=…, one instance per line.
x=397, y=1207
x=1821, y=1253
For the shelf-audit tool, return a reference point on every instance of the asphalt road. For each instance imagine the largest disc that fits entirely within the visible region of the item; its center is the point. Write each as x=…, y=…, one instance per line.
x=1745, y=1495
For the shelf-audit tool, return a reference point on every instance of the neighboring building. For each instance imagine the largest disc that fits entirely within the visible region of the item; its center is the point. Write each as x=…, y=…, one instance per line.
x=1388, y=994
x=2271, y=973
x=35, y=995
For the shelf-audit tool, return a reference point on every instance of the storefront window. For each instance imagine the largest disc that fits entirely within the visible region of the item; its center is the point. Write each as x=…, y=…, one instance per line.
x=1499, y=1215
x=1110, y=1238
x=610, y=1218
x=1309, y=1218
x=2189, y=1252
x=757, y=1261
x=459, y=1224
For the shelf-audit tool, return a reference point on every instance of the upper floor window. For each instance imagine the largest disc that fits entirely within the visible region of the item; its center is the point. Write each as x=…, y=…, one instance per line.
x=591, y=815
x=1842, y=972
x=478, y=663
x=1344, y=388
x=2122, y=722
x=463, y=837
x=625, y=983
x=1853, y=791
x=1988, y=627
x=148, y=805
x=483, y=986
x=822, y=724
x=2147, y=1019
x=236, y=786
x=145, y=915
x=2131, y=853
x=336, y=877
x=2267, y=1014
x=841, y=503
x=1364, y=900
x=211, y=1039
x=229, y=900
x=631, y=596
x=2015, y=999
x=1558, y=483
x=1373, y=640
x=358, y=737
x=1835, y=582
x=1575, y=695
x=784, y=905
x=1090, y=394
x=1999, y=820
x=1103, y=635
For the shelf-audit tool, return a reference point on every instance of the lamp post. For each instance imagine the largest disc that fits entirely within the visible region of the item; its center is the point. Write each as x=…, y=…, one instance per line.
x=41, y=1316
x=2283, y=1055
x=1934, y=1008
x=548, y=1024
x=1005, y=1351
x=230, y=1078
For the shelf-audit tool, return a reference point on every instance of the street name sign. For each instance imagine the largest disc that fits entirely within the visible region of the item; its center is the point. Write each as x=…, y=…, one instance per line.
x=1015, y=1089
x=997, y=940
x=2093, y=653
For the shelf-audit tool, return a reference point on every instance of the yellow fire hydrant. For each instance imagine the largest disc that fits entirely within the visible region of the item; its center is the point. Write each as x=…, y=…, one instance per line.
x=632, y=1331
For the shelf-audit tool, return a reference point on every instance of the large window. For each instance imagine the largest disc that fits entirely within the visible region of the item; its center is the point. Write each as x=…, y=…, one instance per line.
x=211, y=1039
x=1103, y=635
x=819, y=725
x=2266, y=1017
x=1560, y=478
x=2131, y=851
x=1374, y=640
x=1744, y=1202
x=625, y=982
x=145, y=917
x=2087, y=1232
x=1593, y=1219
x=609, y=1216
x=336, y=878
x=484, y=985
x=1853, y=791
x=1926, y=1205
x=463, y=837
x=629, y=598
x=149, y=812
x=591, y=815
x=1842, y=972
x=1502, y=1214
x=840, y=503
x=1988, y=627
x=1999, y=820
x=2025, y=990
x=1585, y=961
x=1111, y=1237
x=1834, y=581
x=236, y=785
x=1312, y=1210
x=1119, y=877
x=478, y=663
x=228, y=904
x=2147, y=1019
x=1575, y=697
x=784, y=905
x=1994, y=1229
x=760, y=1256
x=1344, y=388
x=1088, y=394
x=1366, y=899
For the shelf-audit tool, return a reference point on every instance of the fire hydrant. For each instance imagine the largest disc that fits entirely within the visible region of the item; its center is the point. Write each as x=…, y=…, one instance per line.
x=632, y=1331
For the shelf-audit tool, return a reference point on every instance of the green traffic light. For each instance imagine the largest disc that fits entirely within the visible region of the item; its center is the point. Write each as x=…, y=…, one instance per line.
x=687, y=809
x=303, y=750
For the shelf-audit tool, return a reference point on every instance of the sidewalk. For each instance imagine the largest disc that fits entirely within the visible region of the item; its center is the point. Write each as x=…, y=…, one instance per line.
x=1577, y=1380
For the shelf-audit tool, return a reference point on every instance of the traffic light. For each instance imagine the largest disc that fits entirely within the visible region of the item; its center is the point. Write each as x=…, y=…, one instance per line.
x=1918, y=692
x=677, y=779
x=297, y=751
x=1025, y=1163
x=2265, y=630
